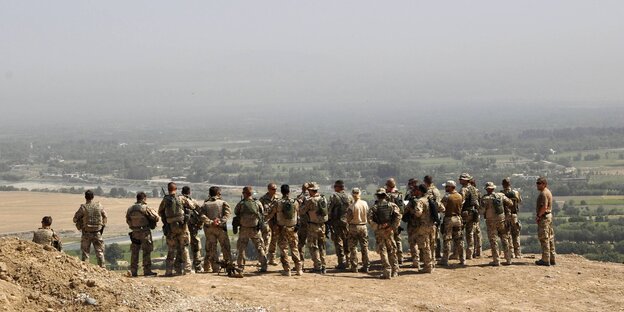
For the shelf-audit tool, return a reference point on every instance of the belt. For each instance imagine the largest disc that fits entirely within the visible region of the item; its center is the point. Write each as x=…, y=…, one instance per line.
x=310, y=222
x=357, y=224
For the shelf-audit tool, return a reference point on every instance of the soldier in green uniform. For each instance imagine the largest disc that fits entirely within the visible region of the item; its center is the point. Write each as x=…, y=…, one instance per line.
x=91, y=219
x=250, y=214
x=338, y=204
x=384, y=218
x=142, y=220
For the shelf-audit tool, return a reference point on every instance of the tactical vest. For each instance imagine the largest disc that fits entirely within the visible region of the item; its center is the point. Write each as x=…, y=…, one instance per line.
x=496, y=203
x=212, y=209
x=468, y=197
x=92, y=218
x=138, y=218
x=384, y=214
x=340, y=210
x=43, y=236
x=397, y=198
x=287, y=216
x=174, y=211
x=511, y=194
x=249, y=213
x=321, y=206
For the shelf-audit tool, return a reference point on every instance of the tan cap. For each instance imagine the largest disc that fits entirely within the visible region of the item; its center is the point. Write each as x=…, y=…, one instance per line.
x=490, y=185
x=313, y=186
x=449, y=183
x=355, y=190
x=381, y=191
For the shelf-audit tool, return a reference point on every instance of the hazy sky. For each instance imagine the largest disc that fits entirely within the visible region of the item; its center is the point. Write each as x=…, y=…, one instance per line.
x=63, y=59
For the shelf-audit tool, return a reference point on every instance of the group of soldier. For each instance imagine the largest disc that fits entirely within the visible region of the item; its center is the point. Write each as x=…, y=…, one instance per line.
x=436, y=226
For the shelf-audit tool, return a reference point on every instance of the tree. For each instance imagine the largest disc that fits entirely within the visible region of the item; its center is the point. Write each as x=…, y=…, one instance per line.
x=112, y=253
x=99, y=191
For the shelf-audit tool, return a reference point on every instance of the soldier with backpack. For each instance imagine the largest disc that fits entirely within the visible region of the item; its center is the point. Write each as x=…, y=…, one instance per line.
x=395, y=196
x=250, y=214
x=337, y=207
x=214, y=214
x=285, y=216
x=423, y=213
x=191, y=207
x=496, y=208
x=142, y=220
x=91, y=220
x=384, y=217
x=175, y=228
x=315, y=208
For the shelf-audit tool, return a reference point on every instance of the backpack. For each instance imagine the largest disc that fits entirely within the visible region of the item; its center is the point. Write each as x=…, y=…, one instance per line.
x=322, y=207
x=288, y=209
x=433, y=211
x=173, y=209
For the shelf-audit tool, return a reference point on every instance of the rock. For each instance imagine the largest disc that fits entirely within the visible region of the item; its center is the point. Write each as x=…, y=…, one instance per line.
x=48, y=248
x=91, y=283
x=90, y=301
x=3, y=267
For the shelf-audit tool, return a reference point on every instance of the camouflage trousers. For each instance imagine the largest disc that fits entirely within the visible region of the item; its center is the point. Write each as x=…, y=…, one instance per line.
x=214, y=235
x=478, y=238
x=453, y=236
x=178, y=259
x=266, y=236
x=433, y=242
x=274, y=238
x=413, y=246
x=423, y=241
x=340, y=239
x=386, y=247
x=546, y=236
x=303, y=237
x=473, y=236
x=316, y=244
x=496, y=228
x=195, y=243
x=252, y=234
x=287, y=238
x=514, y=232
x=399, y=245
x=94, y=238
x=144, y=237
x=358, y=235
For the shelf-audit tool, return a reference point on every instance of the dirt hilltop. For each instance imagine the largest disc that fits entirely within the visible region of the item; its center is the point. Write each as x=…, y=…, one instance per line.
x=33, y=278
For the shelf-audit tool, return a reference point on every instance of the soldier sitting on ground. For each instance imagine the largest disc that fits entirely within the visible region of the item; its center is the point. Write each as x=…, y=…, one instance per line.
x=46, y=236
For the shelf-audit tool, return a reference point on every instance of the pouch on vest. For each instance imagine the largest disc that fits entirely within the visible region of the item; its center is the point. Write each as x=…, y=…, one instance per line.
x=288, y=209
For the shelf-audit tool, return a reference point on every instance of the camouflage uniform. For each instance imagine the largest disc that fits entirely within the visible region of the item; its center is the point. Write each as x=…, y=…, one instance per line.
x=249, y=211
x=513, y=221
x=47, y=236
x=412, y=232
x=496, y=207
x=396, y=197
x=338, y=204
x=477, y=237
x=424, y=228
x=545, y=230
x=178, y=239
x=452, y=226
x=215, y=209
x=91, y=219
x=434, y=194
x=269, y=227
x=303, y=226
x=470, y=216
x=316, y=229
x=286, y=230
x=385, y=218
x=194, y=225
x=357, y=218
x=140, y=218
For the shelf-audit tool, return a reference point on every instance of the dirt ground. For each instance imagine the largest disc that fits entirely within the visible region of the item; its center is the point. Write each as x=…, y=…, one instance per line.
x=574, y=284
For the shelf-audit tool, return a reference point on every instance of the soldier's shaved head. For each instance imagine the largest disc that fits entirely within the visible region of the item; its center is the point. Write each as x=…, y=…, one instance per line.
x=89, y=195
x=141, y=196
x=247, y=191
x=214, y=191
x=186, y=190
x=46, y=221
x=172, y=187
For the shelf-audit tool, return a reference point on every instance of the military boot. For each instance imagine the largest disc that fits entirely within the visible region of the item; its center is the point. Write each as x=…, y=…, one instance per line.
x=271, y=259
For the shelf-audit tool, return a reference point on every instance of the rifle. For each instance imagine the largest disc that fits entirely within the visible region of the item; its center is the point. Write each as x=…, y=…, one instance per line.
x=134, y=240
x=235, y=224
x=166, y=228
x=329, y=229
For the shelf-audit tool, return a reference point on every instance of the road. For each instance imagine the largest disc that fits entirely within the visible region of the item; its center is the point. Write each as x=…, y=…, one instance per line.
x=122, y=240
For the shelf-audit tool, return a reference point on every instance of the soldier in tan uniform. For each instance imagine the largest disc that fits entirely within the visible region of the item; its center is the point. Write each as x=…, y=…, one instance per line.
x=496, y=207
x=470, y=211
x=357, y=218
x=142, y=220
x=269, y=201
x=477, y=237
x=513, y=222
x=91, y=219
x=452, y=225
x=421, y=216
x=434, y=194
x=396, y=197
x=384, y=218
x=315, y=208
x=285, y=216
x=544, y=219
x=214, y=215
x=175, y=228
x=302, y=233
x=194, y=225
x=338, y=204
x=45, y=235
x=250, y=214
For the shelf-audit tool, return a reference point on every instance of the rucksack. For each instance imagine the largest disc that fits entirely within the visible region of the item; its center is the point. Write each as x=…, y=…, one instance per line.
x=288, y=209
x=173, y=209
x=322, y=207
x=433, y=211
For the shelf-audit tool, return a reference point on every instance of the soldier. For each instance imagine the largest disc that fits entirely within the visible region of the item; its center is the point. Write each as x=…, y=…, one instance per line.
x=357, y=218
x=470, y=211
x=250, y=214
x=269, y=200
x=396, y=197
x=315, y=208
x=46, y=235
x=452, y=225
x=384, y=218
x=513, y=222
x=194, y=225
x=496, y=207
x=434, y=194
x=338, y=204
x=420, y=216
x=142, y=220
x=91, y=220
x=302, y=233
x=411, y=183
x=544, y=219
x=286, y=216
x=477, y=229
x=214, y=215
x=175, y=228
